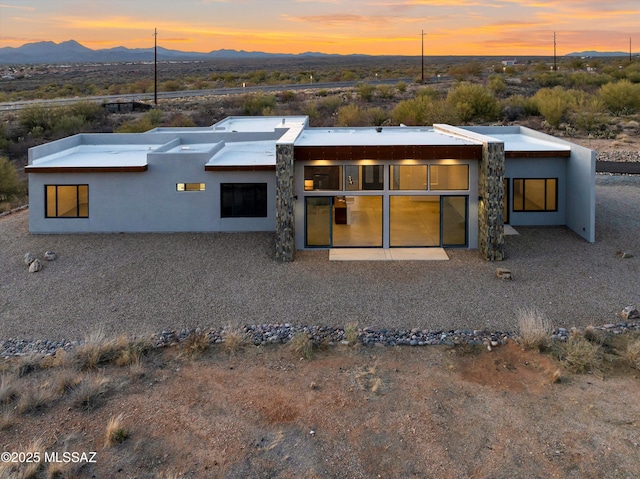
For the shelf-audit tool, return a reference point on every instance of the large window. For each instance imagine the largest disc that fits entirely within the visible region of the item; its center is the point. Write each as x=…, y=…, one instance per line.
x=243, y=200
x=535, y=194
x=67, y=201
x=408, y=177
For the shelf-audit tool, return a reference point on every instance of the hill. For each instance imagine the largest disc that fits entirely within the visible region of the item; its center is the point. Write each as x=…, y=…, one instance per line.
x=73, y=52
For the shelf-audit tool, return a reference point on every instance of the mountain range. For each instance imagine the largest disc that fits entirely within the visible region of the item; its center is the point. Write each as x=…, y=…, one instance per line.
x=73, y=52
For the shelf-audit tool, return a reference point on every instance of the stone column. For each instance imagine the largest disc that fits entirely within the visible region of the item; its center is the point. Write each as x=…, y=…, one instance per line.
x=285, y=201
x=491, y=203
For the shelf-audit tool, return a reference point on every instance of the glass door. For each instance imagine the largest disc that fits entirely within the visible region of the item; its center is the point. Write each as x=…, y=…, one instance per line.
x=454, y=220
x=318, y=221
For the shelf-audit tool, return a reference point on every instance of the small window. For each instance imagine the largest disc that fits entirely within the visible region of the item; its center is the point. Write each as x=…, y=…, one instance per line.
x=243, y=200
x=449, y=177
x=66, y=201
x=190, y=187
x=535, y=194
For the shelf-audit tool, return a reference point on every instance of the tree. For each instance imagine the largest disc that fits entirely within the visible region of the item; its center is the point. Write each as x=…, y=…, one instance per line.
x=474, y=102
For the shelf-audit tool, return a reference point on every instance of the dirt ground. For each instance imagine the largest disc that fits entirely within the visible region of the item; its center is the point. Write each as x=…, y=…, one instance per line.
x=348, y=412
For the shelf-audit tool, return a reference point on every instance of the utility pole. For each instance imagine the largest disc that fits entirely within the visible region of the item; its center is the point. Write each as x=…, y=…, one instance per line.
x=630, y=60
x=422, y=34
x=155, y=66
x=555, y=64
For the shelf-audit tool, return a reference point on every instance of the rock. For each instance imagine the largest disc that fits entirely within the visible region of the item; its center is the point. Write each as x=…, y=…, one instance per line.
x=35, y=266
x=630, y=312
x=28, y=258
x=50, y=255
x=503, y=273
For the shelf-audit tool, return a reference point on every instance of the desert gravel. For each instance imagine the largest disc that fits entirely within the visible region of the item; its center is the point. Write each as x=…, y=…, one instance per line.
x=147, y=283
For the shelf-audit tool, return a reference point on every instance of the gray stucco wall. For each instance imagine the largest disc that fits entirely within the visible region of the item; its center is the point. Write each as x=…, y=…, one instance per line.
x=148, y=201
x=538, y=168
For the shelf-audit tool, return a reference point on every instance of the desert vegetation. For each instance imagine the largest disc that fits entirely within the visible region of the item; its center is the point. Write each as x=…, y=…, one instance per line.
x=594, y=98
x=99, y=397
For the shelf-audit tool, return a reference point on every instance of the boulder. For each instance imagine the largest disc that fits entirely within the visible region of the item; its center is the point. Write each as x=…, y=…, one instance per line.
x=35, y=266
x=50, y=255
x=28, y=258
x=503, y=273
x=630, y=312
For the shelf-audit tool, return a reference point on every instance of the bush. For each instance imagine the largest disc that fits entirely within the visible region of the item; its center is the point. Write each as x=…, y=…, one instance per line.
x=423, y=110
x=473, y=102
x=553, y=104
x=258, y=103
x=377, y=116
x=534, y=330
x=365, y=91
x=352, y=115
x=401, y=86
x=11, y=186
x=386, y=91
x=621, y=98
x=496, y=84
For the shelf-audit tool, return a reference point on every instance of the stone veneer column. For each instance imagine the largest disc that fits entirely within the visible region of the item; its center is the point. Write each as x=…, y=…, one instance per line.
x=490, y=207
x=285, y=220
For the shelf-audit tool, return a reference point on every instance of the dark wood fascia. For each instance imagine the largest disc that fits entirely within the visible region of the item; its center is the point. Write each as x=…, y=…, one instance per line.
x=538, y=154
x=88, y=169
x=388, y=152
x=240, y=168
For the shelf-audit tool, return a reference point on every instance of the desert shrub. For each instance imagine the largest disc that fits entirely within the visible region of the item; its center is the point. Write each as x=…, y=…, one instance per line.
x=195, y=344
x=534, y=331
x=423, y=110
x=310, y=109
x=330, y=104
x=428, y=92
x=351, y=333
x=68, y=125
x=257, y=103
x=496, y=84
x=365, y=91
x=87, y=394
x=579, y=355
x=460, y=72
x=588, y=113
x=115, y=433
x=473, y=102
x=287, y=96
x=550, y=79
x=386, y=91
x=301, y=345
x=377, y=116
x=352, y=115
x=89, y=111
x=146, y=122
x=38, y=116
x=632, y=353
x=170, y=85
x=401, y=86
x=11, y=186
x=621, y=98
x=553, y=104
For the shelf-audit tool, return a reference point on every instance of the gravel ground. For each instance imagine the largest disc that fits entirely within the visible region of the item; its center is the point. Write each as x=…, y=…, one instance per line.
x=147, y=283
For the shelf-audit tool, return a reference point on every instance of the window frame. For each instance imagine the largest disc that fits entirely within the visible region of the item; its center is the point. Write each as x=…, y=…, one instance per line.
x=546, y=192
x=57, y=215
x=262, y=210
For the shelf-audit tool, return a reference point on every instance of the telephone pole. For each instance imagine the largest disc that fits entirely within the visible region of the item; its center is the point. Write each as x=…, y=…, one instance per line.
x=555, y=64
x=422, y=34
x=155, y=66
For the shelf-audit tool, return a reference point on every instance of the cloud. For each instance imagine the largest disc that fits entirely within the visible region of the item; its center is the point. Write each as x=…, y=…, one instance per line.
x=18, y=7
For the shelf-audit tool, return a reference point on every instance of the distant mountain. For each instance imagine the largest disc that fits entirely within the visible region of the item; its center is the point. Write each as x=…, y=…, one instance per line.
x=73, y=52
x=592, y=53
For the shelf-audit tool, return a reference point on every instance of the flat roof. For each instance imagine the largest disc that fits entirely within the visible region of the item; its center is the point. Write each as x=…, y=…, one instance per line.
x=522, y=142
x=254, y=124
x=245, y=154
x=381, y=136
x=98, y=156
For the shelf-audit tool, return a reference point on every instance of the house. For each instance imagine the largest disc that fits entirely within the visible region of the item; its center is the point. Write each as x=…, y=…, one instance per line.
x=376, y=187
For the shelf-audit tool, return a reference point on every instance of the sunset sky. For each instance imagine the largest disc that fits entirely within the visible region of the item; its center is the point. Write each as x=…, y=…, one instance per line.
x=452, y=27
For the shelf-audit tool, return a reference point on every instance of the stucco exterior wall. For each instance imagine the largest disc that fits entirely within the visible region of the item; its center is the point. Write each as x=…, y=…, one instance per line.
x=148, y=201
